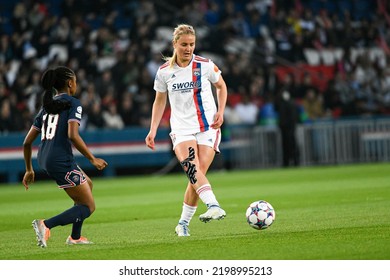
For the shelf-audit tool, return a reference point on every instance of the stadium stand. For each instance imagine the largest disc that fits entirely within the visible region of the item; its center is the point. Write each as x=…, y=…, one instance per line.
x=263, y=47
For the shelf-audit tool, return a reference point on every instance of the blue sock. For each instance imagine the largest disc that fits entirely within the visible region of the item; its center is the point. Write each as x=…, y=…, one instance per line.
x=76, y=230
x=73, y=215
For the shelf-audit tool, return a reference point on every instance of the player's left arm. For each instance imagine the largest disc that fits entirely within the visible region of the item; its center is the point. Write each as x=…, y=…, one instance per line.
x=221, y=90
x=78, y=142
x=29, y=175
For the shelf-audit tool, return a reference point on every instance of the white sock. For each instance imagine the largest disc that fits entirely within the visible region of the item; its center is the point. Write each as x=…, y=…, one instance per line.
x=206, y=195
x=187, y=213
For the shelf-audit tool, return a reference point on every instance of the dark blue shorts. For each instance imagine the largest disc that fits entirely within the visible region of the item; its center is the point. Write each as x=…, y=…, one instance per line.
x=68, y=178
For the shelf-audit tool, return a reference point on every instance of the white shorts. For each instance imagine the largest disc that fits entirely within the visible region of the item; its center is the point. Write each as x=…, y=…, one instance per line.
x=211, y=138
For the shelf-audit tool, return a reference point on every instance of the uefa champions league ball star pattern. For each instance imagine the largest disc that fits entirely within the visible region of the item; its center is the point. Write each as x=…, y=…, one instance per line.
x=260, y=214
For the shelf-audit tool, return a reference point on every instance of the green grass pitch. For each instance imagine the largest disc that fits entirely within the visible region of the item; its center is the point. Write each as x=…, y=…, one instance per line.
x=322, y=213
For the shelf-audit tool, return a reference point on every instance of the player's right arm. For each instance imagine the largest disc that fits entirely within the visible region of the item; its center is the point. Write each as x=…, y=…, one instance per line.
x=158, y=108
x=29, y=175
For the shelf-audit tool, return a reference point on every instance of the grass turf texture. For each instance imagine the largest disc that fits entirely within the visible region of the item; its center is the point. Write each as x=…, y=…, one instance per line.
x=322, y=213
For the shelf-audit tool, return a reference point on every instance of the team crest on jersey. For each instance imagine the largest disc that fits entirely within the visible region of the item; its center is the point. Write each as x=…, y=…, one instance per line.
x=196, y=71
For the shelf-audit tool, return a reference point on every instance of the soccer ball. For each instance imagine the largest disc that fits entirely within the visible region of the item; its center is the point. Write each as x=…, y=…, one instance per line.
x=260, y=214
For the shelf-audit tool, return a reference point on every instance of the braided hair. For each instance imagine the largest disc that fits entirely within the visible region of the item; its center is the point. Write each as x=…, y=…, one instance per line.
x=52, y=81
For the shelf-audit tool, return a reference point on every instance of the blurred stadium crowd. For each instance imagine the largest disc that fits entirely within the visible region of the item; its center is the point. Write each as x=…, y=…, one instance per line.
x=116, y=47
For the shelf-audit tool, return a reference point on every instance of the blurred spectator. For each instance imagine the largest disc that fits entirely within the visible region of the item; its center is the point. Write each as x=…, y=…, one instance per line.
x=288, y=120
x=270, y=79
x=297, y=52
x=105, y=84
x=6, y=51
x=332, y=102
x=232, y=72
x=268, y=114
x=128, y=110
x=3, y=92
x=19, y=20
x=89, y=97
x=256, y=90
x=283, y=42
x=341, y=86
x=62, y=32
x=307, y=21
x=364, y=70
x=288, y=83
x=212, y=14
x=231, y=116
x=126, y=72
x=109, y=97
x=33, y=92
x=37, y=14
x=303, y=87
x=10, y=120
x=145, y=115
x=95, y=117
x=344, y=64
x=247, y=111
x=82, y=80
x=111, y=117
x=18, y=89
x=313, y=105
x=153, y=64
x=264, y=50
x=369, y=105
x=382, y=85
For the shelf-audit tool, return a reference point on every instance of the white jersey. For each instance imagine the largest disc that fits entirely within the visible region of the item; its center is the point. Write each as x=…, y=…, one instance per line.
x=190, y=95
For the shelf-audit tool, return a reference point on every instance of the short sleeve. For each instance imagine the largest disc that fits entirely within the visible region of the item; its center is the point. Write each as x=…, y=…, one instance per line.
x=159, y=83
x=37, y=124
x=76, y=111
x=214, y=72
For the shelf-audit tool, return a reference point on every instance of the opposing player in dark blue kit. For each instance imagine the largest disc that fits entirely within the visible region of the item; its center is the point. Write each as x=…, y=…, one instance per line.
x=58, y=124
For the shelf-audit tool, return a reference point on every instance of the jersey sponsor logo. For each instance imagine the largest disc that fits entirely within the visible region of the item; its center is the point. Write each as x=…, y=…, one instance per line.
x=187, y=85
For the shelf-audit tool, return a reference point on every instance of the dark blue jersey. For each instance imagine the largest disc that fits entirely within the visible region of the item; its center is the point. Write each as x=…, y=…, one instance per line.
x=55, y=150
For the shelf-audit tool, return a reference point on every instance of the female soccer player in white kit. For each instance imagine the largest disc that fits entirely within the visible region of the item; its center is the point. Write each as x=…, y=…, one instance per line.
x=195, y=120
